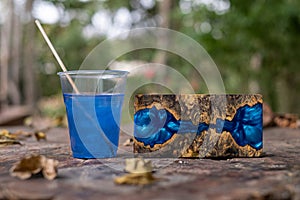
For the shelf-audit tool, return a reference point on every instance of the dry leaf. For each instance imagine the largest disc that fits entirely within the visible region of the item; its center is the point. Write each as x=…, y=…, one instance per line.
x=28, y=166
x=19, y=134
x=138, y=165
x=50, y=169
x=39, y=135
x=6, y=138
x=140, y=172
x=7, y=134
x=6, y=142
x=136, y=179
x=35, y=164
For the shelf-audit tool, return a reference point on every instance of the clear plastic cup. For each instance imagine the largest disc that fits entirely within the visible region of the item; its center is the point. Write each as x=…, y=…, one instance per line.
x=93, y=100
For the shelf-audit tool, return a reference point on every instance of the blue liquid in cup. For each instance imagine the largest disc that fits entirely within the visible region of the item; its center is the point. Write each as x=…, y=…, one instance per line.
x=94, y=124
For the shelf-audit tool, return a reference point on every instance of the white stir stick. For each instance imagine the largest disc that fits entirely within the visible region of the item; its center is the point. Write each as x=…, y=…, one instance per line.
x=61, y=64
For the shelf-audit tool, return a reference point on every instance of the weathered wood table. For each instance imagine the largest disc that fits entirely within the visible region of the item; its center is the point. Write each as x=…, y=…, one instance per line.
x=276, y=175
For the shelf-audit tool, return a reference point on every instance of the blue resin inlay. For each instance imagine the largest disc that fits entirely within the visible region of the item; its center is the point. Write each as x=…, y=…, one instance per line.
x=153, y=126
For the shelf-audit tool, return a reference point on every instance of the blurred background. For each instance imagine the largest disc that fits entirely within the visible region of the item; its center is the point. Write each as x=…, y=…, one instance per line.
x=255, y=44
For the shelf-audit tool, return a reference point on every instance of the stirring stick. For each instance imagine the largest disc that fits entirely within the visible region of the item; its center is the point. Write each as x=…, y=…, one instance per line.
x=61, y=64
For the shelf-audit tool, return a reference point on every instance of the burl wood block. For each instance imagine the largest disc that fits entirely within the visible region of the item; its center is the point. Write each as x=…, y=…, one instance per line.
x=198, y=125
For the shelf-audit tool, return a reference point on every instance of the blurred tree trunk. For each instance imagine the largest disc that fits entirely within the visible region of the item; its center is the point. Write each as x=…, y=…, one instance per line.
x=164, y=12
x=14, y=72
x=160, y=57
x=5, y=49
x=28, y=55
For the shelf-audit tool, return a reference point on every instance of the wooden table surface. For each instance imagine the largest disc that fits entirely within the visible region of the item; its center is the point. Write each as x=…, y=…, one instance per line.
x=276, y=175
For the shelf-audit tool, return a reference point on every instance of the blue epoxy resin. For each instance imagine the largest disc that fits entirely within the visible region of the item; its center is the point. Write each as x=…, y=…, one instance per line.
x=154, y=126
x=246, y=126
x=94, y=122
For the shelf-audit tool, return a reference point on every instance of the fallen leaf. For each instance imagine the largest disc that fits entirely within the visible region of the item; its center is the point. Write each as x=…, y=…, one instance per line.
x=6, y=142
x=6, y=138
x=39, y=135
x=19, y=134
x=136, y=179
x=286, y=120
x=140, y=172
x=50, y=169
x=7, y=134
x=35, y=164
x=28, y=166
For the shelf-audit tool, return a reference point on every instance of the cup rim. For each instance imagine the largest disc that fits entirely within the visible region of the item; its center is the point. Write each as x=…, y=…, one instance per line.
x=111, y=73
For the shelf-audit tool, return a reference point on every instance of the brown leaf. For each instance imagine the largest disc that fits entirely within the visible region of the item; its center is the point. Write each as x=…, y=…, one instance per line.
x=19, y=134
x=40, y=135
x=136, y=179
x=50, y=169
x=5, y=133
x=6, y=142
x=140, y=172
x=286, y=120
x=35, y=164
x=6, y=138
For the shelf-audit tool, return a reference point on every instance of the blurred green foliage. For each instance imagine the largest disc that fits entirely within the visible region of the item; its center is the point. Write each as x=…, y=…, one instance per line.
x=255, y=43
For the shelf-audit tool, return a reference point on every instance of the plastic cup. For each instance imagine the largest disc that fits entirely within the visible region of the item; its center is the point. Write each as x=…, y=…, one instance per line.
x=94, y=111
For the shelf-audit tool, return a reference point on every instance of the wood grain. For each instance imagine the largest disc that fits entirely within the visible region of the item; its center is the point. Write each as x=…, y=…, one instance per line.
x=198, y=108
x=275, y=175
